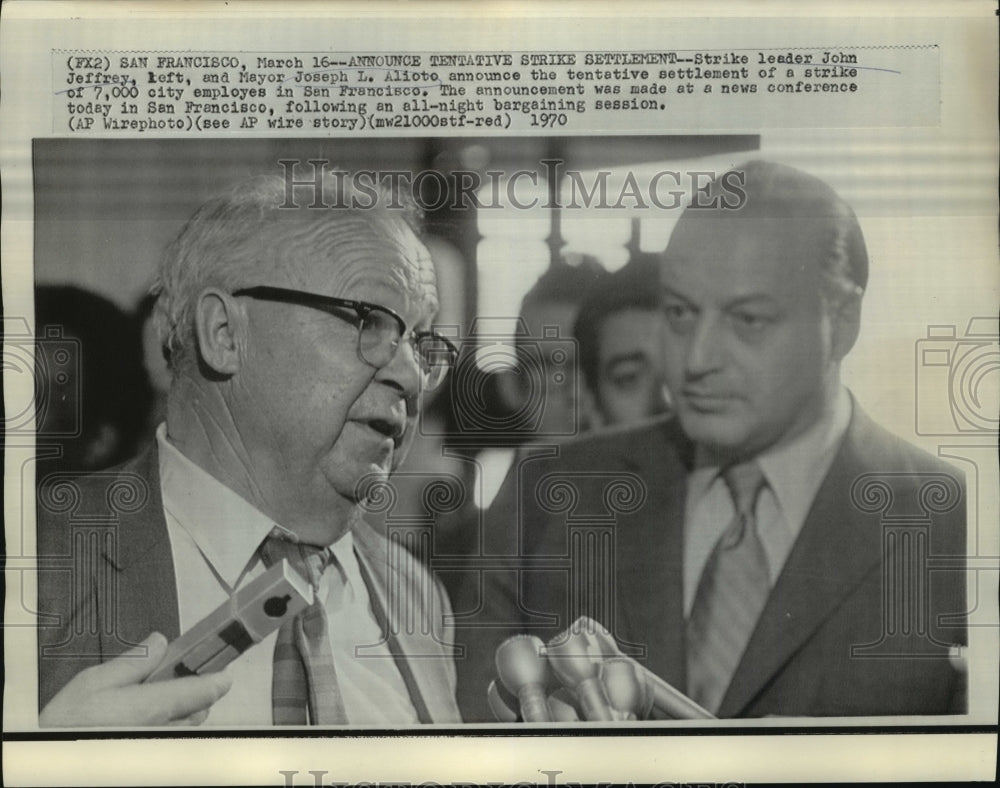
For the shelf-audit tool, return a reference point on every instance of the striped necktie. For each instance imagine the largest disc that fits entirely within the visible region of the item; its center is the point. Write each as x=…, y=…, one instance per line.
x=304, y=688
x=731, y=594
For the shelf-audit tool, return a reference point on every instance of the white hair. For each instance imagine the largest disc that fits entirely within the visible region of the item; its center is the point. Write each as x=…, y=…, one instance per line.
x=231, y=239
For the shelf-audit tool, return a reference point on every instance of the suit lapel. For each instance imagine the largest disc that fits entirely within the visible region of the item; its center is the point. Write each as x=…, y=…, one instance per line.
x=424, y=674
x=651, y=545
x=141, y=561
x=835, y=550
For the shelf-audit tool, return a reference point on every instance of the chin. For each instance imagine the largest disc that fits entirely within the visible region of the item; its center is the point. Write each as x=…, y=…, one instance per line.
x=354, y=482
x=717, y=433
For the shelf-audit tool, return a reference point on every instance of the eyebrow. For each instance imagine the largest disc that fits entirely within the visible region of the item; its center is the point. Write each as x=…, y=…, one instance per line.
x=666, y=290
x=753, y=299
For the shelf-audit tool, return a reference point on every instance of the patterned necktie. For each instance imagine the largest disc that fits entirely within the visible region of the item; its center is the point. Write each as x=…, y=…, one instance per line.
x=731, y=594
x=304, y=688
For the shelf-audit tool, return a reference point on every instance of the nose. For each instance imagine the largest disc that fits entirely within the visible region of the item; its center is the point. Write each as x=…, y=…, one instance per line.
x=703, y=354
x=403, y=372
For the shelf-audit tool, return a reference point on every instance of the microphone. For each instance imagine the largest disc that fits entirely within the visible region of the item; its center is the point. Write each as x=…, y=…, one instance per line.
x=626, y=688
x=523, y=672
x=672, y=702
x=665, y=699
x=571, y=657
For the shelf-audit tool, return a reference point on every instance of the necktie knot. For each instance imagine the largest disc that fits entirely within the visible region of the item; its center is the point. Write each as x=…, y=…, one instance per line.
x=745, y=481
x=308, y=560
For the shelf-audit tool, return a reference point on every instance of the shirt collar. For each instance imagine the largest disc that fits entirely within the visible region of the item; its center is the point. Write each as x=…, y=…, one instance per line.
x=226, y=528
x=796, y=469
x=343, y=551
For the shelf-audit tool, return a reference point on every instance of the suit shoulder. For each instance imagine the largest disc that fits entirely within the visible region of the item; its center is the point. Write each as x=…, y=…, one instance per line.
x=95, y=496
x=918, y=481
x=884, y=451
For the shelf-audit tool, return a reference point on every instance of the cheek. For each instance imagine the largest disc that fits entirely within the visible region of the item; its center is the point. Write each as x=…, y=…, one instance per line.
x=633, y=407
x=313, y=400
x=620, y=403
x=787, y=370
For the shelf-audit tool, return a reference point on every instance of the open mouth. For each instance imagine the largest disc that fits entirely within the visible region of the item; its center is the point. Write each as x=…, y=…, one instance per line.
x=390, y=429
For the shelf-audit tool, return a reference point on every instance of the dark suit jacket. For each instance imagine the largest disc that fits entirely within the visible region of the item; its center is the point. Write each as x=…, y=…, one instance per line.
x=858, y=623
x=107, y=580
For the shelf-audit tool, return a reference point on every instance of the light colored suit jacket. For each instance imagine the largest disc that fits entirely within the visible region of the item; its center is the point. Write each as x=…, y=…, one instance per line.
x=858, y=623
x=107, y=581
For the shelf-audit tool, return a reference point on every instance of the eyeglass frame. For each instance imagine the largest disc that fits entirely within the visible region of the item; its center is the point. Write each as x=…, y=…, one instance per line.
x=362, y=310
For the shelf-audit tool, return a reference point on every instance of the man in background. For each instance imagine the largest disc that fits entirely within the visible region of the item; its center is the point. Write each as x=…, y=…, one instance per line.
x=619, y=334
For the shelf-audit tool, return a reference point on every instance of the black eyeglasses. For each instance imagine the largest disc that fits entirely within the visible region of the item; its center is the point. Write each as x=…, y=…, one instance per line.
x=380, y=330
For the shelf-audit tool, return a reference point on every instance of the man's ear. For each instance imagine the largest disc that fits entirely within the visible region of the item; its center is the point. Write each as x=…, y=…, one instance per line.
x=218, y=326
x=846, y=323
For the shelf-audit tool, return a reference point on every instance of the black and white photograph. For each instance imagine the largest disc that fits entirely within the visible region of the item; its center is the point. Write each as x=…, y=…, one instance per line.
x=394, y=396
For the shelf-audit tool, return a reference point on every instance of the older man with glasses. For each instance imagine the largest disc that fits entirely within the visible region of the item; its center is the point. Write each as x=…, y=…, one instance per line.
x=300, y=342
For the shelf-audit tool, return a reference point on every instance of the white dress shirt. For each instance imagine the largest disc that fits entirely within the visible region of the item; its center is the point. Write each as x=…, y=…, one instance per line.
x=214, y=537
x=794, y=472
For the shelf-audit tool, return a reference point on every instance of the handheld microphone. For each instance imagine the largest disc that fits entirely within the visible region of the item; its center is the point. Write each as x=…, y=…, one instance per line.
x=523, y=672
x=246, y=618
x=666, y=699
x=626, y=688
x=572, y=660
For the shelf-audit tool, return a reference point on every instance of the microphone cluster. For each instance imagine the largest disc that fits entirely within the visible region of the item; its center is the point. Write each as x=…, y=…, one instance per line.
x=580, y=674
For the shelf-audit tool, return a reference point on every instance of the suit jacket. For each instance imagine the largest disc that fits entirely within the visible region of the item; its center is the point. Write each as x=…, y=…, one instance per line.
x=858, y=622
x=107, y=581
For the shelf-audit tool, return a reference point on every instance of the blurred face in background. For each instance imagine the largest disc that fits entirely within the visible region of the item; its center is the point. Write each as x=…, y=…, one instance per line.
x=630, y=384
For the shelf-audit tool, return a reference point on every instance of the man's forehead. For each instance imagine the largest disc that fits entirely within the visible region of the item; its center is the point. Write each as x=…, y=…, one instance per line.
x=354, y=250
x=745, y=247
